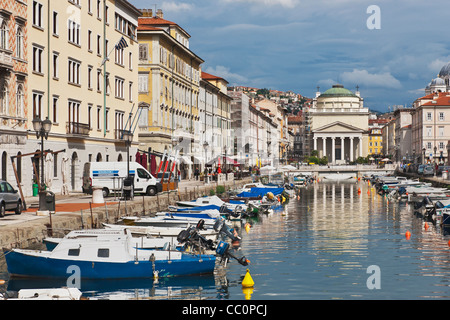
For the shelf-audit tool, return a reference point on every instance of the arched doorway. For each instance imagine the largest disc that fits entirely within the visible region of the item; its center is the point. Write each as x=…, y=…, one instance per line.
x=119, y=158
x=73, y=170
x=99, y=157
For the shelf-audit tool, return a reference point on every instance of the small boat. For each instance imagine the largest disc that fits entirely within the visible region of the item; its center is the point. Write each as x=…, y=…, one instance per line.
x=158, y=231
x=201, y=202
x=106, y=257
x=338, y=176
x=141, y=242
x=49, y=294
x=166, y=221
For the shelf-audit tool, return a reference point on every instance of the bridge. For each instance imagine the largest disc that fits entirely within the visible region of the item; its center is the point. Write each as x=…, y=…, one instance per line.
x=358, y=170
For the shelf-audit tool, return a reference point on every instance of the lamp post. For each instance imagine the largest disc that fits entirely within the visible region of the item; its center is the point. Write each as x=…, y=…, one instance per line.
x=423, y=161
x=42, y=129
x=127, y=136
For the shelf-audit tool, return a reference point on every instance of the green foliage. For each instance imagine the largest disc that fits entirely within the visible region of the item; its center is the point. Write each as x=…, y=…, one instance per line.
x=220, y=189
x=212, y=192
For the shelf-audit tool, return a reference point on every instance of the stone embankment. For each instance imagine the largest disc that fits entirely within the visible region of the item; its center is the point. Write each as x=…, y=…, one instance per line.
x=30, y=232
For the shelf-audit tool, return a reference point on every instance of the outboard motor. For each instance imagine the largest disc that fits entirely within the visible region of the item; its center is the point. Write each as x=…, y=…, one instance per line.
x=192, y=237
x=223, y=250
x=222, y=228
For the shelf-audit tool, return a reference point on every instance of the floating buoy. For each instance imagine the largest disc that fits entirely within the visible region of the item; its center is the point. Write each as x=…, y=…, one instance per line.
x=408, y=235
x=248, y=281
x=247, y=227
x=426, y=226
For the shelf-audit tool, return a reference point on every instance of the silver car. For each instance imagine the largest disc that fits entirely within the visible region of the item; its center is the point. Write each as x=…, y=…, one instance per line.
x=9, y=199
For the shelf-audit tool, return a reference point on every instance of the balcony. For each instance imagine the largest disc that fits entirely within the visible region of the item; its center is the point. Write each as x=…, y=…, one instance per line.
x=76, y=129
x=6, y=60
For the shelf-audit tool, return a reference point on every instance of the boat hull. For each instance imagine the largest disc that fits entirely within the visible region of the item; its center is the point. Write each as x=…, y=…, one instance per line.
x=21, y=264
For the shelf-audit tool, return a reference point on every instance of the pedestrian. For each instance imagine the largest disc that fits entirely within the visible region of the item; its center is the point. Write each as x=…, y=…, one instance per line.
x=196, y=173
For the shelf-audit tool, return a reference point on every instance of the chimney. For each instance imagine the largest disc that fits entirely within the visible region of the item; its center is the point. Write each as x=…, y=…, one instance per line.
x=147, y=13
x=159, y=13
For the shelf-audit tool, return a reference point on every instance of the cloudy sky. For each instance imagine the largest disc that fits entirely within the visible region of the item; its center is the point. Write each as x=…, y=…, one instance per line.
x=301, y=44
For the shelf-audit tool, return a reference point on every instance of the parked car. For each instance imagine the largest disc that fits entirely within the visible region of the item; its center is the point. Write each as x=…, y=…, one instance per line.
x=9, y=199
x=420, y=169
x=428, y=170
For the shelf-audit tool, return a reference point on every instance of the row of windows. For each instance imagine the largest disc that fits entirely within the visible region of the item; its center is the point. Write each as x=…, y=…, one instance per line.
x=441, y=145
x=74, y=110
x=429, y=116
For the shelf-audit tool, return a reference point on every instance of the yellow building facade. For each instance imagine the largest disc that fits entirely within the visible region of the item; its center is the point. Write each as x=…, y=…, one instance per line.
x=375, y=142
x=169, y=83
x=82, y=80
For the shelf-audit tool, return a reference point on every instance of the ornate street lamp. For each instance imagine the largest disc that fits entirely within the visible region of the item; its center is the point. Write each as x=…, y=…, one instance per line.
x=127, y=136
x=42, y=129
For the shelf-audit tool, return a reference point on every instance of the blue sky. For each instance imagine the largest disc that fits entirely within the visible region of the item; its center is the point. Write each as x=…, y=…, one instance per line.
x=301, y=44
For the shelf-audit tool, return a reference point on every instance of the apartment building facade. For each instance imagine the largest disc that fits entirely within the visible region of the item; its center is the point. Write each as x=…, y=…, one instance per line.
x=83, y=77
x=13, y=87
x=169, y=84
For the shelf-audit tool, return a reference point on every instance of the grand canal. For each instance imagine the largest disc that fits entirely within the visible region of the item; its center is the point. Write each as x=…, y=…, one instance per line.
x=325, y=245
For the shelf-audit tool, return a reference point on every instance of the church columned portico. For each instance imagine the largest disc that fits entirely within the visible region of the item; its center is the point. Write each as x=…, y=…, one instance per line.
x=339, y=149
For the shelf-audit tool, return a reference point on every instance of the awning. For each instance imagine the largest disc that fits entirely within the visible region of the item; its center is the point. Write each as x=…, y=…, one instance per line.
x=185, y=160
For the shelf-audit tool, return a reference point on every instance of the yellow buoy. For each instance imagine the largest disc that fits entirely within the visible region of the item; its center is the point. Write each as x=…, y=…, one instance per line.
x=247, y=227
x=248, y=281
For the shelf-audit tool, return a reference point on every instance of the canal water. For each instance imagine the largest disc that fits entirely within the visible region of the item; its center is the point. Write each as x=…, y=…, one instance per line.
x=332, y=242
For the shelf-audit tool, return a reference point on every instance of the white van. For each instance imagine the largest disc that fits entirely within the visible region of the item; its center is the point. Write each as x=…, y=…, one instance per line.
x=110, y=175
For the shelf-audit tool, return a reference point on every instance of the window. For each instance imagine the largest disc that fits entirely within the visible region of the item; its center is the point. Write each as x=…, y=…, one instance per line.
x=55, y=23
x=20, y=100
x=428, y=145
x=143, y=52
x=118, y=122
x=103, y=253
x=429, y=116
x=74, y=252
x=99, y=117
x=441, y=145
x=37, y=59
x=119, y=56
x=90, y=77
x=74, y=72
x=99, y=47
x=143, y=83
x=37, y=14
x=4, y=35
x=119, y=88
x=130, y=61
x=429, y=131
x=441, y=116
x=107, y=119
x=4, y=99
x=74, y=32
x=143, y=174
x=37, y=104
x=441, y=131
x=19, y=43
x=99, y=80
x=90, y=116
x=55, y=65
x=130, y=91
x=89, y=40
x=55, y=109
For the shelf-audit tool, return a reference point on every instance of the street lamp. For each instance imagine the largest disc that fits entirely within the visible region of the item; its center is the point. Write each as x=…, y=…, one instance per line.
x=42, y=129
x=127, y=136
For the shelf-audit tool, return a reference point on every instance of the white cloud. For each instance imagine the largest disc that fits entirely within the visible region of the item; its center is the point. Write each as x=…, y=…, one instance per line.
x=282, y=3
x=176, y=7
x=437, y=64
x=363, y=77
x=224, y=72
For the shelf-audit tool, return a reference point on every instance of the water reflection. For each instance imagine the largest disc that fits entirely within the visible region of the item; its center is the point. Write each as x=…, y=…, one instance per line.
x=319, y=248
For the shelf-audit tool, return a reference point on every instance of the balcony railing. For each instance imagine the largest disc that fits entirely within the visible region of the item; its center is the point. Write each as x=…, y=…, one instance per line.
x=76, y=128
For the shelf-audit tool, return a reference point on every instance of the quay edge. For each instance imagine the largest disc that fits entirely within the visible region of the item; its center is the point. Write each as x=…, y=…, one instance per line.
x=30, y=233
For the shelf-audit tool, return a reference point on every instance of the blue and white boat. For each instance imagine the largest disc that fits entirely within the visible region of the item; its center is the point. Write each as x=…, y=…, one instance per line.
x=106, y=257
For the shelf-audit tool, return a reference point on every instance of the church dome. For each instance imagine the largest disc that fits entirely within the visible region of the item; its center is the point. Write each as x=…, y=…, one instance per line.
x=338, y=90
x=445, y=71
x=437, y=82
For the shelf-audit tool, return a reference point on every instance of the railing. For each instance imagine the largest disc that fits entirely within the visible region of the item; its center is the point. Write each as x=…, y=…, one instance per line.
x=77, y=128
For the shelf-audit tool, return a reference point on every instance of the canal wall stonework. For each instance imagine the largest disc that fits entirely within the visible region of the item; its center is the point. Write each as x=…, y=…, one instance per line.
x=29, y=234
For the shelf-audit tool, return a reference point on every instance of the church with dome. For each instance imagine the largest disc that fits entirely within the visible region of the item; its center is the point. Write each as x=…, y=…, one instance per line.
x=441, y=83
x=339, y=124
